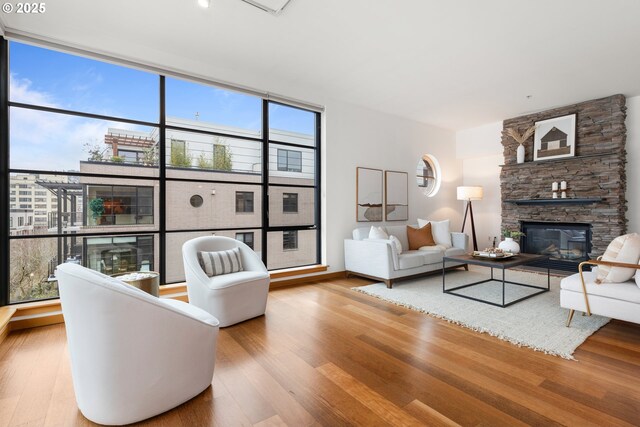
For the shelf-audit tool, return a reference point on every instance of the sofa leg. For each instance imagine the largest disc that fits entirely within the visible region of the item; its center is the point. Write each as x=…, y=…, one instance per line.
x=466, y=267
x=389, y=283
x=570, y=317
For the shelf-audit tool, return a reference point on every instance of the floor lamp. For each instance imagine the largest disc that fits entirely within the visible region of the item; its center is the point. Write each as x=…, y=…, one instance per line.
x=469, y=194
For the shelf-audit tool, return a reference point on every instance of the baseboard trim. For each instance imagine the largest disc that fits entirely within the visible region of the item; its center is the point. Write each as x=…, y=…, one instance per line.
x=45, y=313
x=309, y=280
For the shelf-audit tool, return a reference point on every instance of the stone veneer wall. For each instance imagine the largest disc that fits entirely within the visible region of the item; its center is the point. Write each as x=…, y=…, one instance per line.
x=600, y=136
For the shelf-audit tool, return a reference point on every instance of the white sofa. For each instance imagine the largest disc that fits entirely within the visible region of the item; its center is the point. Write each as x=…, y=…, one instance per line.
x=378, y=259
x=617, y=300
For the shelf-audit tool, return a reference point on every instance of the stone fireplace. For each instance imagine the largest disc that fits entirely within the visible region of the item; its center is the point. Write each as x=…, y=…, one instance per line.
x=567, y=244
x=595, y=176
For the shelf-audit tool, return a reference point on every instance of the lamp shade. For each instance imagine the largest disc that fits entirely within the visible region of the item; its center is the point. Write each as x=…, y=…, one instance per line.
x=470, y=193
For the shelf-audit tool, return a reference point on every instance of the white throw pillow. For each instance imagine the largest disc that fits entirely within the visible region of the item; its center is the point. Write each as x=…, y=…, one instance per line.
x=378, y=233
x=624, y=249
x=440, y=231
x=397, y=244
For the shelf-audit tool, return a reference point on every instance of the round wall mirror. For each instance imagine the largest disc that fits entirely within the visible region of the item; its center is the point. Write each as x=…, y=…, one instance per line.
x=428, y=175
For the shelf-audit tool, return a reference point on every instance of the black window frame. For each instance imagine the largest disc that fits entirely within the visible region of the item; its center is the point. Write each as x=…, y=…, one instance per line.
x=245, y=202
x=287, y=154
x=243, y=239
x=290, y=203
x=161, y=232
x=137, y=215
x=290, y=240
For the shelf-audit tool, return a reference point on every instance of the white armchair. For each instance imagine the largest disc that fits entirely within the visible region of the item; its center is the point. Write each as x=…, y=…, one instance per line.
x=133, y=355
x=231, y=298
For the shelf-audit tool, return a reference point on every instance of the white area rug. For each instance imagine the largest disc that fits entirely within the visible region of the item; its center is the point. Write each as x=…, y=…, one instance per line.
x=537, y=323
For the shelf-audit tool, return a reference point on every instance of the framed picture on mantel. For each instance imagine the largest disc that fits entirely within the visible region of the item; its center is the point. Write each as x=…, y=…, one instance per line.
x=555, y=138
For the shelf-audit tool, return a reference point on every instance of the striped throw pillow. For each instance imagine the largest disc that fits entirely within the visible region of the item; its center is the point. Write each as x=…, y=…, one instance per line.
x=220, y=262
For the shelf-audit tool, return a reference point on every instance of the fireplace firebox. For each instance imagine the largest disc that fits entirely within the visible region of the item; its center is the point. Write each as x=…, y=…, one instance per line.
x=567, y=244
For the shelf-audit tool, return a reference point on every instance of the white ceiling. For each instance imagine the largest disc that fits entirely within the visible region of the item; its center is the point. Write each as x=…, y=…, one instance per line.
x=455, y=64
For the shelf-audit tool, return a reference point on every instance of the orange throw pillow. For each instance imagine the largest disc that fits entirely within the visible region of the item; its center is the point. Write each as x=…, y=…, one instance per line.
x=419, y=237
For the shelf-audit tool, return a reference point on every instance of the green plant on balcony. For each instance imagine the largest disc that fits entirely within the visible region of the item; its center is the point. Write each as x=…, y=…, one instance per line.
x=204, y=162
x=117, y=159
x=222, y=156
x=149, y=156
x=96, y=206
x=180, y=156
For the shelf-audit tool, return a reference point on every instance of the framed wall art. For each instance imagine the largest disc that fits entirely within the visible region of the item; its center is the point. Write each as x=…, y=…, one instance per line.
x=396, y=196
x=368, y=195
x=555, y=138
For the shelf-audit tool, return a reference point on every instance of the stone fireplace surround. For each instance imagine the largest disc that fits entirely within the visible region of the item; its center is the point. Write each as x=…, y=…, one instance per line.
x=596, y=172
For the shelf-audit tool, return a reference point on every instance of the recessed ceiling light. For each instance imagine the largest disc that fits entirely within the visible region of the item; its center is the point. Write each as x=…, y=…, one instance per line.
x=204, y=3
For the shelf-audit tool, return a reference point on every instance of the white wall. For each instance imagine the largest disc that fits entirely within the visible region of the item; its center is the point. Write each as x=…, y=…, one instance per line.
x=480, y=151
x=633, y=163
x=360, y=137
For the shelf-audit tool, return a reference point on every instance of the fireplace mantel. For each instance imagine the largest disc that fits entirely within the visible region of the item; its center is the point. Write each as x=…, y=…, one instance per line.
x=571, y=201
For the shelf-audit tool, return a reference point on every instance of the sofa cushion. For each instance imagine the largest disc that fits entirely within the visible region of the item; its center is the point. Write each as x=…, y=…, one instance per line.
x=377, y=233
x=420, y=237
x=625, y=249
x=432, y=257
x=436, y=248
x=625, y=291
x=411, y=259
x=440, y=230
x=454, y=251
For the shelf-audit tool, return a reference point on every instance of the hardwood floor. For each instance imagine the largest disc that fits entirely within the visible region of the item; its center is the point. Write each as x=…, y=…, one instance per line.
x=325, y=355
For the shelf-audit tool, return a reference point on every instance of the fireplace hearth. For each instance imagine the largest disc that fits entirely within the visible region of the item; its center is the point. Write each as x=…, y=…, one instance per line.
x=567, y=244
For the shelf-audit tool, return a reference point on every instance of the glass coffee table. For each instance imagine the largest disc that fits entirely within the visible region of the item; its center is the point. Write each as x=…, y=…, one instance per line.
x=500, y=264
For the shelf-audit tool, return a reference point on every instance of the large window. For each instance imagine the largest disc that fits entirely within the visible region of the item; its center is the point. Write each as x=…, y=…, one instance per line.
x=106, y=182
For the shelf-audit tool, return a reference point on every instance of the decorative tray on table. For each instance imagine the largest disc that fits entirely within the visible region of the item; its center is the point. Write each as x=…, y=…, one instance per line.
x=493, y=253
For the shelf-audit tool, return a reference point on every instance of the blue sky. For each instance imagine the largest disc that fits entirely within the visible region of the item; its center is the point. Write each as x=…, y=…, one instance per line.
x=46, y=77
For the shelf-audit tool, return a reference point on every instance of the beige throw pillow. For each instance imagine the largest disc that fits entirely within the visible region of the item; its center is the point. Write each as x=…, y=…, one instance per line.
x=624, y=249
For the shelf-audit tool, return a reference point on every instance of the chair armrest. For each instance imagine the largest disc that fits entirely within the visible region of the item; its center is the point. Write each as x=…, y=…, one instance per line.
x=373, y=257
x=608, y=263
x=599, y=262
x=459, y=240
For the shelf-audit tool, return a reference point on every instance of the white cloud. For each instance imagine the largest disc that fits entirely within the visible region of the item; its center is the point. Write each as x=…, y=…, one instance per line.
x=50, y=141
x=20, y=91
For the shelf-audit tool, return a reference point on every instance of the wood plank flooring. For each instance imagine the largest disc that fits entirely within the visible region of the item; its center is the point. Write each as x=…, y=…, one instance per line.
x=325, y=355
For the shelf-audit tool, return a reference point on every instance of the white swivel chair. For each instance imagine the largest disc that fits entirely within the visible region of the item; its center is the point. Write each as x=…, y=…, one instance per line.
x=133, y=355
x=231, y=298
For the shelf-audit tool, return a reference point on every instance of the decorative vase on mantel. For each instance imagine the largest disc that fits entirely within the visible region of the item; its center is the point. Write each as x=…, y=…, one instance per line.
x=520, y=154
x=510, y=245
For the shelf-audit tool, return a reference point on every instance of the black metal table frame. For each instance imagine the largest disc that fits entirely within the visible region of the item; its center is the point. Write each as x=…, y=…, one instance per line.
x=450, y=291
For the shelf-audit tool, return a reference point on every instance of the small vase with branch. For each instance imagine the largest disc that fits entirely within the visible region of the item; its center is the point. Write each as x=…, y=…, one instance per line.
x=520, y=139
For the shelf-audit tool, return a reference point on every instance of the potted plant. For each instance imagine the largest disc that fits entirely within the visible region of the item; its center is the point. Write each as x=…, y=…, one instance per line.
x=97, y=208
x=508, y=244
x=520, y=139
